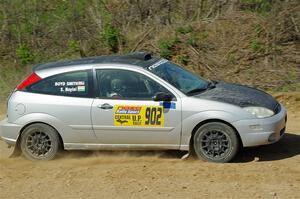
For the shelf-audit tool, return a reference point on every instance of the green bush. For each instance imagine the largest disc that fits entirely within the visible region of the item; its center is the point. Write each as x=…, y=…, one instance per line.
x=165, y=46
x=74, y=45
x=193, y=40
x=196, y=39
x=203, y=35
x=24, y=54
x=110, y=36
x=184, y=29
x=183, y=59
x=256, y=45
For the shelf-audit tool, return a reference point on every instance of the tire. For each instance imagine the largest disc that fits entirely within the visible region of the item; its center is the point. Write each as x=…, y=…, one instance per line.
x=40, y=142
x=216, y=142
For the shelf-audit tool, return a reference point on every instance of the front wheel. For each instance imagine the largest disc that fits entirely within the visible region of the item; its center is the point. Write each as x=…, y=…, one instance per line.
x=216, y=142
x=39, y=142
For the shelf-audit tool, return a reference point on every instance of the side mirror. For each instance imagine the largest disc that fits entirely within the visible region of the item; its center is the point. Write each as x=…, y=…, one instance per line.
x=166, y=97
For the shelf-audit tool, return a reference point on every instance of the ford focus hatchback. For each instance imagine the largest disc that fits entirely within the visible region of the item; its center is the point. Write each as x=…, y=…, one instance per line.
x=136, y=101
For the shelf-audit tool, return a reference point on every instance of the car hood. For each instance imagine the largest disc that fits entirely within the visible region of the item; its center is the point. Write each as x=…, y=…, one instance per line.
x=239, y=95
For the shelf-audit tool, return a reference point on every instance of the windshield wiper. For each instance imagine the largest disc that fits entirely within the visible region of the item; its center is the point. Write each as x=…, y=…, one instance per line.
x=196, y=90
x=210, y=85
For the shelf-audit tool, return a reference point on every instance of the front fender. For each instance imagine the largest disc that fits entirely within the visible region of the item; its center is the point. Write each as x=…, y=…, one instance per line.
x=190, y=122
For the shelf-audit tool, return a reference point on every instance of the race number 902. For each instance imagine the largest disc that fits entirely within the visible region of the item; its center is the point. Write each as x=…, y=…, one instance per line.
x=153, y=115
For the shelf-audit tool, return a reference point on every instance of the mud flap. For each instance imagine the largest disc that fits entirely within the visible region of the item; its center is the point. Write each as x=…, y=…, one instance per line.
x=185, y=156
x=16, y=153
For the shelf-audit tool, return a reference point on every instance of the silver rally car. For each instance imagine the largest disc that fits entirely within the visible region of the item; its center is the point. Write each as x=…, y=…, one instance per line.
x=136, y=101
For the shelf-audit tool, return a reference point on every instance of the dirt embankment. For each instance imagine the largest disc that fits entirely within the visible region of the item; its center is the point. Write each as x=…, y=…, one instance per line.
x=262, y=172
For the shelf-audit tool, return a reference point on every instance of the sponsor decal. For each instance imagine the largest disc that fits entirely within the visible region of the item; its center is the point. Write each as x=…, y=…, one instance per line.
x=128, y=110
x=59, y=83
x=70, y=87
x=157, y=64
x=168, y=105
x=139, y=116
x=78, y=83
x=81, y=88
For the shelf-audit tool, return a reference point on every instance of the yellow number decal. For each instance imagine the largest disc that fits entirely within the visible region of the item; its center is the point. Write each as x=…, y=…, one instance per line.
x=138, y=116
x=153, y=116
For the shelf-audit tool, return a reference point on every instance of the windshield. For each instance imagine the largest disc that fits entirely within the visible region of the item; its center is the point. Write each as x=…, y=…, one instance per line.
x=180, y=78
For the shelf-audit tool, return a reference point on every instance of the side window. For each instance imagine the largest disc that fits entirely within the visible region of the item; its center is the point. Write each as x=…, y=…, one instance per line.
x=75, y=84
x=124, y=84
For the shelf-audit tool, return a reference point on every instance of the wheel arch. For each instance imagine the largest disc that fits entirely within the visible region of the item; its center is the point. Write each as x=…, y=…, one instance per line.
x=17, y=146
x=191, y=142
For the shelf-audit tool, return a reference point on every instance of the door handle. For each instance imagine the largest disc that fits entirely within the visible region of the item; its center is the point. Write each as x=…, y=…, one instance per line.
x=105, y=106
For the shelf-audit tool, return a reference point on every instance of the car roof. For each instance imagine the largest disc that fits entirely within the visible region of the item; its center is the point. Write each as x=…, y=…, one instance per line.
x=141, y=59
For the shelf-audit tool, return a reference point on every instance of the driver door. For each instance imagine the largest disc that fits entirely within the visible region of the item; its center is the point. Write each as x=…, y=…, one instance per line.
x=125, y=113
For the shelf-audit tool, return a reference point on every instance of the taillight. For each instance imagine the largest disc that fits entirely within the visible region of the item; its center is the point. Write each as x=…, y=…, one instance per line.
x=31, y=79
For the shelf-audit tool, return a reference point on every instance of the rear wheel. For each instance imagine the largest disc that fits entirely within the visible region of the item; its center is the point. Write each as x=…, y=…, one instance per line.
x=40, y=142
x=216, y=142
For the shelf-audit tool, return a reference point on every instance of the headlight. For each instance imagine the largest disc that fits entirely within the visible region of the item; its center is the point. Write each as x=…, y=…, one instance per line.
x=259, y=112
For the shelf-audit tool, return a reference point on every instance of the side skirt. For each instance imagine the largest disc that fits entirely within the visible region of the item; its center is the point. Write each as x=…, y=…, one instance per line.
x=78, y=146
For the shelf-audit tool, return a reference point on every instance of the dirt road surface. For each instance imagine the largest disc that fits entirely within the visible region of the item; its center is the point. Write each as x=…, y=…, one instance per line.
x=262, y=172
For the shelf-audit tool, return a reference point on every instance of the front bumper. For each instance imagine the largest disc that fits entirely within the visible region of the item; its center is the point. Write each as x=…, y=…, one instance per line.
x=255, y=132
x=9, y=132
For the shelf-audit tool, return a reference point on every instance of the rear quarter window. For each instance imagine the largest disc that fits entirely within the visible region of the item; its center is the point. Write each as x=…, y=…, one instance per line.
x=74, y=84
